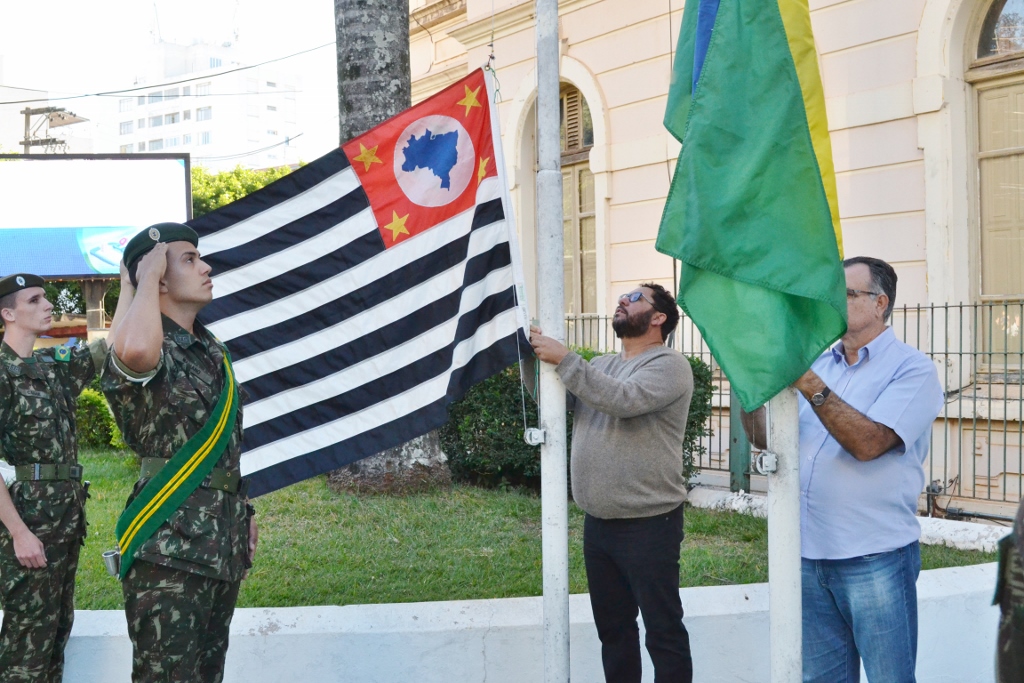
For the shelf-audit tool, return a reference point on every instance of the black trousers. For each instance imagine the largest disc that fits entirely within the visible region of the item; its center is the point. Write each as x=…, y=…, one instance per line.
x=633, y=566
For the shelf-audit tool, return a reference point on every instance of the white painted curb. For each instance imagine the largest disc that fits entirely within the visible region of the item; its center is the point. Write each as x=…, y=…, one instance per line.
x=499, y=641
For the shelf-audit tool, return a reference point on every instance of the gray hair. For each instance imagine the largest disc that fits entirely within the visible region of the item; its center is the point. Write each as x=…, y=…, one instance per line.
x=883, y=278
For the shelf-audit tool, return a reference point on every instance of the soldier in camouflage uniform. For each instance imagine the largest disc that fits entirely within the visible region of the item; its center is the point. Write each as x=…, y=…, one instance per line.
x=1010, y=598
x=43, y=511
x=162, y=377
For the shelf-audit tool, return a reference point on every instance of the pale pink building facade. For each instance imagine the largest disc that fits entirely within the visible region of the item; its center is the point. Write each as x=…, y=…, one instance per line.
x=922, y=101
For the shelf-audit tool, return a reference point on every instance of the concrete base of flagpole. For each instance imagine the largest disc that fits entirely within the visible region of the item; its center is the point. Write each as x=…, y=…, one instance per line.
x=785, y=602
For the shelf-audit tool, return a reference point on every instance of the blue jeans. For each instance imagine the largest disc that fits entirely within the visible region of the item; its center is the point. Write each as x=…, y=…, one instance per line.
x=862, y=607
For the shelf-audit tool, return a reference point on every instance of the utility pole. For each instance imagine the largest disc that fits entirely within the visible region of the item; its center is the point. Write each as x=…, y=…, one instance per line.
x=53, y=117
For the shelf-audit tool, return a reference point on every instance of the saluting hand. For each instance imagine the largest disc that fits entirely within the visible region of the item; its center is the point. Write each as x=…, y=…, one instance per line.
x=126, y=280
x=153, y=264
x=29, y=550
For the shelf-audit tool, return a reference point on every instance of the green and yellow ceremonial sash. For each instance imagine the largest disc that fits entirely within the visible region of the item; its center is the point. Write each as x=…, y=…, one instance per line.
x=182, y=475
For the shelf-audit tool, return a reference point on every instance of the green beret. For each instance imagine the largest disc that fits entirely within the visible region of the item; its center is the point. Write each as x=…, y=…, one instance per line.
x=141, y=244
x=17, y=282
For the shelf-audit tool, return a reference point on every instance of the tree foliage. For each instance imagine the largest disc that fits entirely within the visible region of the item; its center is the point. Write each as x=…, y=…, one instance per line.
x=66, y=296
x=211, y=191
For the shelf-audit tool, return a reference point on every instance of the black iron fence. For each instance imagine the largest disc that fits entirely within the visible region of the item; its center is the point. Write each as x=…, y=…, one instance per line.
x=978, y=350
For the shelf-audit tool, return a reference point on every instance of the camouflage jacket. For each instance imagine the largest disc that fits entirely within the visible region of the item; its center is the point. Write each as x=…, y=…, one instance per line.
x=1010, y=598
x=38, y=400
x=157, y=413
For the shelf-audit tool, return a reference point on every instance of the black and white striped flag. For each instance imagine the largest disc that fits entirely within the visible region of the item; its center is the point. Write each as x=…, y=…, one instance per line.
x=346, y=344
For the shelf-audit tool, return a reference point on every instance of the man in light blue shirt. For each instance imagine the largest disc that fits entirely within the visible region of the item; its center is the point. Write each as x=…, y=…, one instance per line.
x=866, y=413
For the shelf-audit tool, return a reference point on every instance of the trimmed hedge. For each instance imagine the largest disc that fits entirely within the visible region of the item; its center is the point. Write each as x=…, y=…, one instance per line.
x=483, y=437
x=96, y=426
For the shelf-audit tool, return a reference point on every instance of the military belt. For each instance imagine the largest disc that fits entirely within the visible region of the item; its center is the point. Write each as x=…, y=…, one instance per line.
x=219, y=479
x=50, y=472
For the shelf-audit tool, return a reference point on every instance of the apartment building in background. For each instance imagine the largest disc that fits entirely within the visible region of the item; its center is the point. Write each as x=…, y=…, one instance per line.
x=196, y=99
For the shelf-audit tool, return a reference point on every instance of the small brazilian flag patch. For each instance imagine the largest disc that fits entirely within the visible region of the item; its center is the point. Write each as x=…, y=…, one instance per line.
x=62, y=354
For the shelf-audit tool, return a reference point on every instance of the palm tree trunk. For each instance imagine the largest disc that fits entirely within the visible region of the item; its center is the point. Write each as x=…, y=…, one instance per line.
x=373, y=63
x=374, y=85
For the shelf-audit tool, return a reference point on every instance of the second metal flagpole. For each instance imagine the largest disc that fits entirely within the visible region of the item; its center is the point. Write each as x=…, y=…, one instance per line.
x=551, y=305
x=785, y=601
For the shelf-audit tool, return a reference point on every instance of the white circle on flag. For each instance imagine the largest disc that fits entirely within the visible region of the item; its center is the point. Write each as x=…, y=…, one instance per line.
x=434, y=160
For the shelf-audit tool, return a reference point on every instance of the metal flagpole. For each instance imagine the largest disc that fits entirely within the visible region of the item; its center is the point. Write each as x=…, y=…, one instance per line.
x=551, y=305
x=785, y=602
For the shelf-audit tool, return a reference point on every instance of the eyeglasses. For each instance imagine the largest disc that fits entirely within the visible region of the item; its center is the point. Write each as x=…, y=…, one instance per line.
x=854, y=293
x=633, y=297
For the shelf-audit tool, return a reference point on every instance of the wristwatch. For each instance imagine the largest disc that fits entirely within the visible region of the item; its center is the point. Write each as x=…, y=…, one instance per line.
x=819, y=398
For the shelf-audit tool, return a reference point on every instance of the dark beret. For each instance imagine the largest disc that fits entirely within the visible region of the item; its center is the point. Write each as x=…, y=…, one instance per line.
x=17, y=282
x=142, y=243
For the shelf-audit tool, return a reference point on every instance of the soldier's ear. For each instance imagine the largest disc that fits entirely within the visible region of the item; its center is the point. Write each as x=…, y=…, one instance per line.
x=7, y=314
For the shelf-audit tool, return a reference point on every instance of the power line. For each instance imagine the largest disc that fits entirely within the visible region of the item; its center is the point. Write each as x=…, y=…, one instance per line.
x=122, y=91
x=171, y=99
x=248, y=154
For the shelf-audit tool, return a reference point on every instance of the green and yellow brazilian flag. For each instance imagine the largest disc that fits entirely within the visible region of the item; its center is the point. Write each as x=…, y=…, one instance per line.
x=752, y=212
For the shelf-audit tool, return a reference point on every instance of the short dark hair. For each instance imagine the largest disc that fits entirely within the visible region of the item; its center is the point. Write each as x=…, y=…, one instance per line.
x=883, y=277
x=9, y=300
x=664, y=303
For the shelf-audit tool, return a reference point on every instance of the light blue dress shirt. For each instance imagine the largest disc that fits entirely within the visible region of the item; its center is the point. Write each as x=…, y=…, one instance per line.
x=850, y=508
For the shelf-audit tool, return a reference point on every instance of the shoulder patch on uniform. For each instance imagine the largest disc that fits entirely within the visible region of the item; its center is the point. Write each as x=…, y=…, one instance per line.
x=62, y=354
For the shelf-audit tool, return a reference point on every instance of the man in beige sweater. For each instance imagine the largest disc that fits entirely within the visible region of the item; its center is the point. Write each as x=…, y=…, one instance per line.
x=630, y=413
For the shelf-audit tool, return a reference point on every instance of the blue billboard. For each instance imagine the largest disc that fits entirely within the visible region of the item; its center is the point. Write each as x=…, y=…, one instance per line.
x=71, y=215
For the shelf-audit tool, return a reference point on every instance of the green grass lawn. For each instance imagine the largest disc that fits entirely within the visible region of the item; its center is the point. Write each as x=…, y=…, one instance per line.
x=321, y=548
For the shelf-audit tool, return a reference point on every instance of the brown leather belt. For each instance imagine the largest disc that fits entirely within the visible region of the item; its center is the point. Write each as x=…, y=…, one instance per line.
x=219, y=479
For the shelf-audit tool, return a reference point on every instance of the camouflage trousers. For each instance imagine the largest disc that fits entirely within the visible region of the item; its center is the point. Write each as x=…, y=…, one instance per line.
x=39, y=608
x=178, y=623
x=1010, y=598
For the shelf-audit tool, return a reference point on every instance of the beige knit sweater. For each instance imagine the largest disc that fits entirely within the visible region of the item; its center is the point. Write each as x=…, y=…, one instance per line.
x=628, y=427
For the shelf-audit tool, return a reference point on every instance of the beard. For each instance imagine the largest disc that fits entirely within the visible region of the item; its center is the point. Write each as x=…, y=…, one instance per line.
x=632, y=325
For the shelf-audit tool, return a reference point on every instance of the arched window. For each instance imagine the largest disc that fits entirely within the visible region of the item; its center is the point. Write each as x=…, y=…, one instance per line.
x=1002, y=32
x=580, y=241
x=997, y=74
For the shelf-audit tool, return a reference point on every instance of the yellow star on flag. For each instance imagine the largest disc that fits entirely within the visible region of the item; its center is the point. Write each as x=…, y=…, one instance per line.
x=469, y=101
x=368, y=156
x=397, y=225
x=483, y=169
